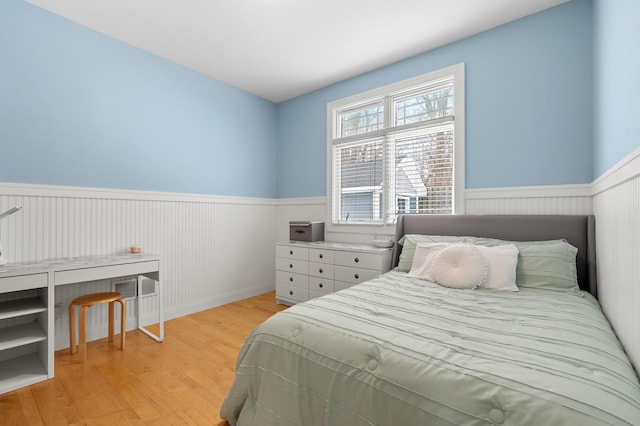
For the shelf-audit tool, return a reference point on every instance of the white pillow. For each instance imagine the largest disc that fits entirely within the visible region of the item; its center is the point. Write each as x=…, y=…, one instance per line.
x=423, y=256
x=503, y=261
x=458, y=266
x=501, y=264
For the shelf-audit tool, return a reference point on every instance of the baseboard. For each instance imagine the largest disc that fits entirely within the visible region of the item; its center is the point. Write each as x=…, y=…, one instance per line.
x=192, y=308
x=100, y=332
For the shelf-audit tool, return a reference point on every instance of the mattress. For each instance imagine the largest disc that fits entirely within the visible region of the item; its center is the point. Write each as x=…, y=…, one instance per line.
x=403, y=351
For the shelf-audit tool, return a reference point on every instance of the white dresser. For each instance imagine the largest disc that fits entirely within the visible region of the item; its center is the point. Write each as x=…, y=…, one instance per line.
x=308, y=270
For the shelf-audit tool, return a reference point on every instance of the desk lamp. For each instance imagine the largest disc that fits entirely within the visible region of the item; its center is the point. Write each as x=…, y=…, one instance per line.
x=9, y=212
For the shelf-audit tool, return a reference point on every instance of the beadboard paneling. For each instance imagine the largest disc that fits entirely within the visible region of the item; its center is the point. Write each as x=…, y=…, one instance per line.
x=289, y=209
x=205, y=242
x=557, y=199
x=617, y=211
x=213, y=250
x=552, y=205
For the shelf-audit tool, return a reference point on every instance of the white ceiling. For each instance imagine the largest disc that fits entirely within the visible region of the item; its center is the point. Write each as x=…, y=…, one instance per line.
x=279, y=49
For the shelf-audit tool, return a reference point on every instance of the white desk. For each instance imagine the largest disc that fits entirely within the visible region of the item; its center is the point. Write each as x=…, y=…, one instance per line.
x=27, y=312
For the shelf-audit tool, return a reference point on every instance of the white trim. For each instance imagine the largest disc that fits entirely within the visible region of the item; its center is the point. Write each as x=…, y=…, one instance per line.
x=360, y=99
x=363, y=98
x=32, y=190
x=625, y=169
x=459, y=133
x=301, y=201
x=541, y=191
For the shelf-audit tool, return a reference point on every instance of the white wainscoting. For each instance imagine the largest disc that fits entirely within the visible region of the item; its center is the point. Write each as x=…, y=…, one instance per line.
x=616, y=203
x=217, y=250
x=311, y=209
x=557, y=199
x=214, y=250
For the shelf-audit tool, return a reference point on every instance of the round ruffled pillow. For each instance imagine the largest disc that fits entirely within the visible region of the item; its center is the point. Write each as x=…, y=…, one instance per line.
x=459, y=266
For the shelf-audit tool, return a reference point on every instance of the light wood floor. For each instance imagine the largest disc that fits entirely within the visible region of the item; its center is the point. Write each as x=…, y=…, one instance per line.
x=180, y=381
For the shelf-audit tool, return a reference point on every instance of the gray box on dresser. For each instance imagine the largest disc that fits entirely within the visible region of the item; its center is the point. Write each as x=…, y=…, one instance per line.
x=306, y=231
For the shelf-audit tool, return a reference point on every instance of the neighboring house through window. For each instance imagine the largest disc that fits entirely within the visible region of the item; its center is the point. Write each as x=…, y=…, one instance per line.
x=398, y=149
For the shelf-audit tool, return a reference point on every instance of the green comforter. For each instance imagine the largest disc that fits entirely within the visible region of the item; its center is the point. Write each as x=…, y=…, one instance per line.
x=402, y=351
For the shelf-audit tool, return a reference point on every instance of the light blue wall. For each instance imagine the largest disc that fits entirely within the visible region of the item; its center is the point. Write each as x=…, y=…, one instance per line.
x=82, y=109
x=616, y=81
x=529, y=106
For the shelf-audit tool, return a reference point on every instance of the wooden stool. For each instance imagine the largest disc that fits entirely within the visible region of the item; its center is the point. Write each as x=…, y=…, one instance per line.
x=88, y=301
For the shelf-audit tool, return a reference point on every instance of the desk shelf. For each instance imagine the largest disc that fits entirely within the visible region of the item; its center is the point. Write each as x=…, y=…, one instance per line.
x=21, y=335
x=21, y=307
x=25, y=336
x=22, y=371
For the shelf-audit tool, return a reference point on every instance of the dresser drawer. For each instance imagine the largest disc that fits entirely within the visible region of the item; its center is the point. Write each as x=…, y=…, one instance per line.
x=321, y=285
x=354, y=275
x=341, y=285
x=294, y=294
x=292, y=252
x=292, y=265
x=359, y=260
x=321, y=270
x=291, y=279
x=324, y=267
x=321, y=255
x=315, y=294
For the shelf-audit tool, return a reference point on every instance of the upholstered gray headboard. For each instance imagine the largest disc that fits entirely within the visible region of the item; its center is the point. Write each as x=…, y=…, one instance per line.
x=579, y=231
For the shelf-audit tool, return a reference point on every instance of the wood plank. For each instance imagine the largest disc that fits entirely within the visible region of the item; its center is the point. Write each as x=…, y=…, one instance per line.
x=182, y=380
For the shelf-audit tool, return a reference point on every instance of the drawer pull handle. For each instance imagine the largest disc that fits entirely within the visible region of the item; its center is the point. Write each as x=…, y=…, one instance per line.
x=290, y=265
x=291, y=279
x=321, y=255
x=291, y=252
x=356, y=260
x=320, y=285
x=357, y=276
x=320, y=270
x=291, y=292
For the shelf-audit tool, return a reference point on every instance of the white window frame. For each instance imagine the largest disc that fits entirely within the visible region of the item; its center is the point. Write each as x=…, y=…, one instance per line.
x=458, y=73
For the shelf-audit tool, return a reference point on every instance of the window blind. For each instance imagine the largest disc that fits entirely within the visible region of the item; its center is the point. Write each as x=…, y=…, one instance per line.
x=423, y=172
x=393, y=152
x=359, y=168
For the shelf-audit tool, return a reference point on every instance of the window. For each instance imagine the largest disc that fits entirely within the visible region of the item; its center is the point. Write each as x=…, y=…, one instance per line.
x=398, y=149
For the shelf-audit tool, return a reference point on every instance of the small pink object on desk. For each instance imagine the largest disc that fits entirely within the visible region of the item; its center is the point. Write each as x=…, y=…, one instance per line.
x=136, y=249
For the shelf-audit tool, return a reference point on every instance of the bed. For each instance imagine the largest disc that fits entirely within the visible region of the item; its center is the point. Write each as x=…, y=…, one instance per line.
x=401, y=350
